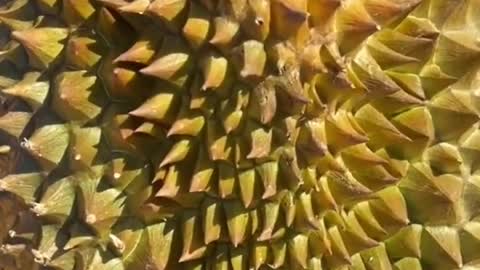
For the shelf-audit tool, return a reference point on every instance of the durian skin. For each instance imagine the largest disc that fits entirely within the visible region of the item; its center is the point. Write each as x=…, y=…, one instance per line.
x=239, y=134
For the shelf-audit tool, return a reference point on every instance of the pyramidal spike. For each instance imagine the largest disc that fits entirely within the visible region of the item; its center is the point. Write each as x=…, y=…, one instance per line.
x=30, y=89
x=43, y=44
x=48, y=145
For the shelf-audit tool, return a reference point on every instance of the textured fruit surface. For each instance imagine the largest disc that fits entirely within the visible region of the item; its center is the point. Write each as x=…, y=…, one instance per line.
x=239, y=134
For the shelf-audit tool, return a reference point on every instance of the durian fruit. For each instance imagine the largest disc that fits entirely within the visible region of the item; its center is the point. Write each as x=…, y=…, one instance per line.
x=239, y=134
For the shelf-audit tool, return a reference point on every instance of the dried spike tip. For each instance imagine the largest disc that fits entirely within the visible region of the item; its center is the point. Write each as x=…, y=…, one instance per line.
x=24, y=186
x=43, y=45
x=129, y=241
x=197, y=27
x=52, y=241
x=48, y=145
x=76, y=96
x=30, y=89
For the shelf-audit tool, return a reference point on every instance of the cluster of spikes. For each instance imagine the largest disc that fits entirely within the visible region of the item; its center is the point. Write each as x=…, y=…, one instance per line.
x=239, y=134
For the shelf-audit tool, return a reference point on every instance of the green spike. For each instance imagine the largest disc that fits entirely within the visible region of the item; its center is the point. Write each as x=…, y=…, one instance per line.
x=57, y=202
x=30, y=89
x=48, y=145
x=43, y=45
x=23, y=185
